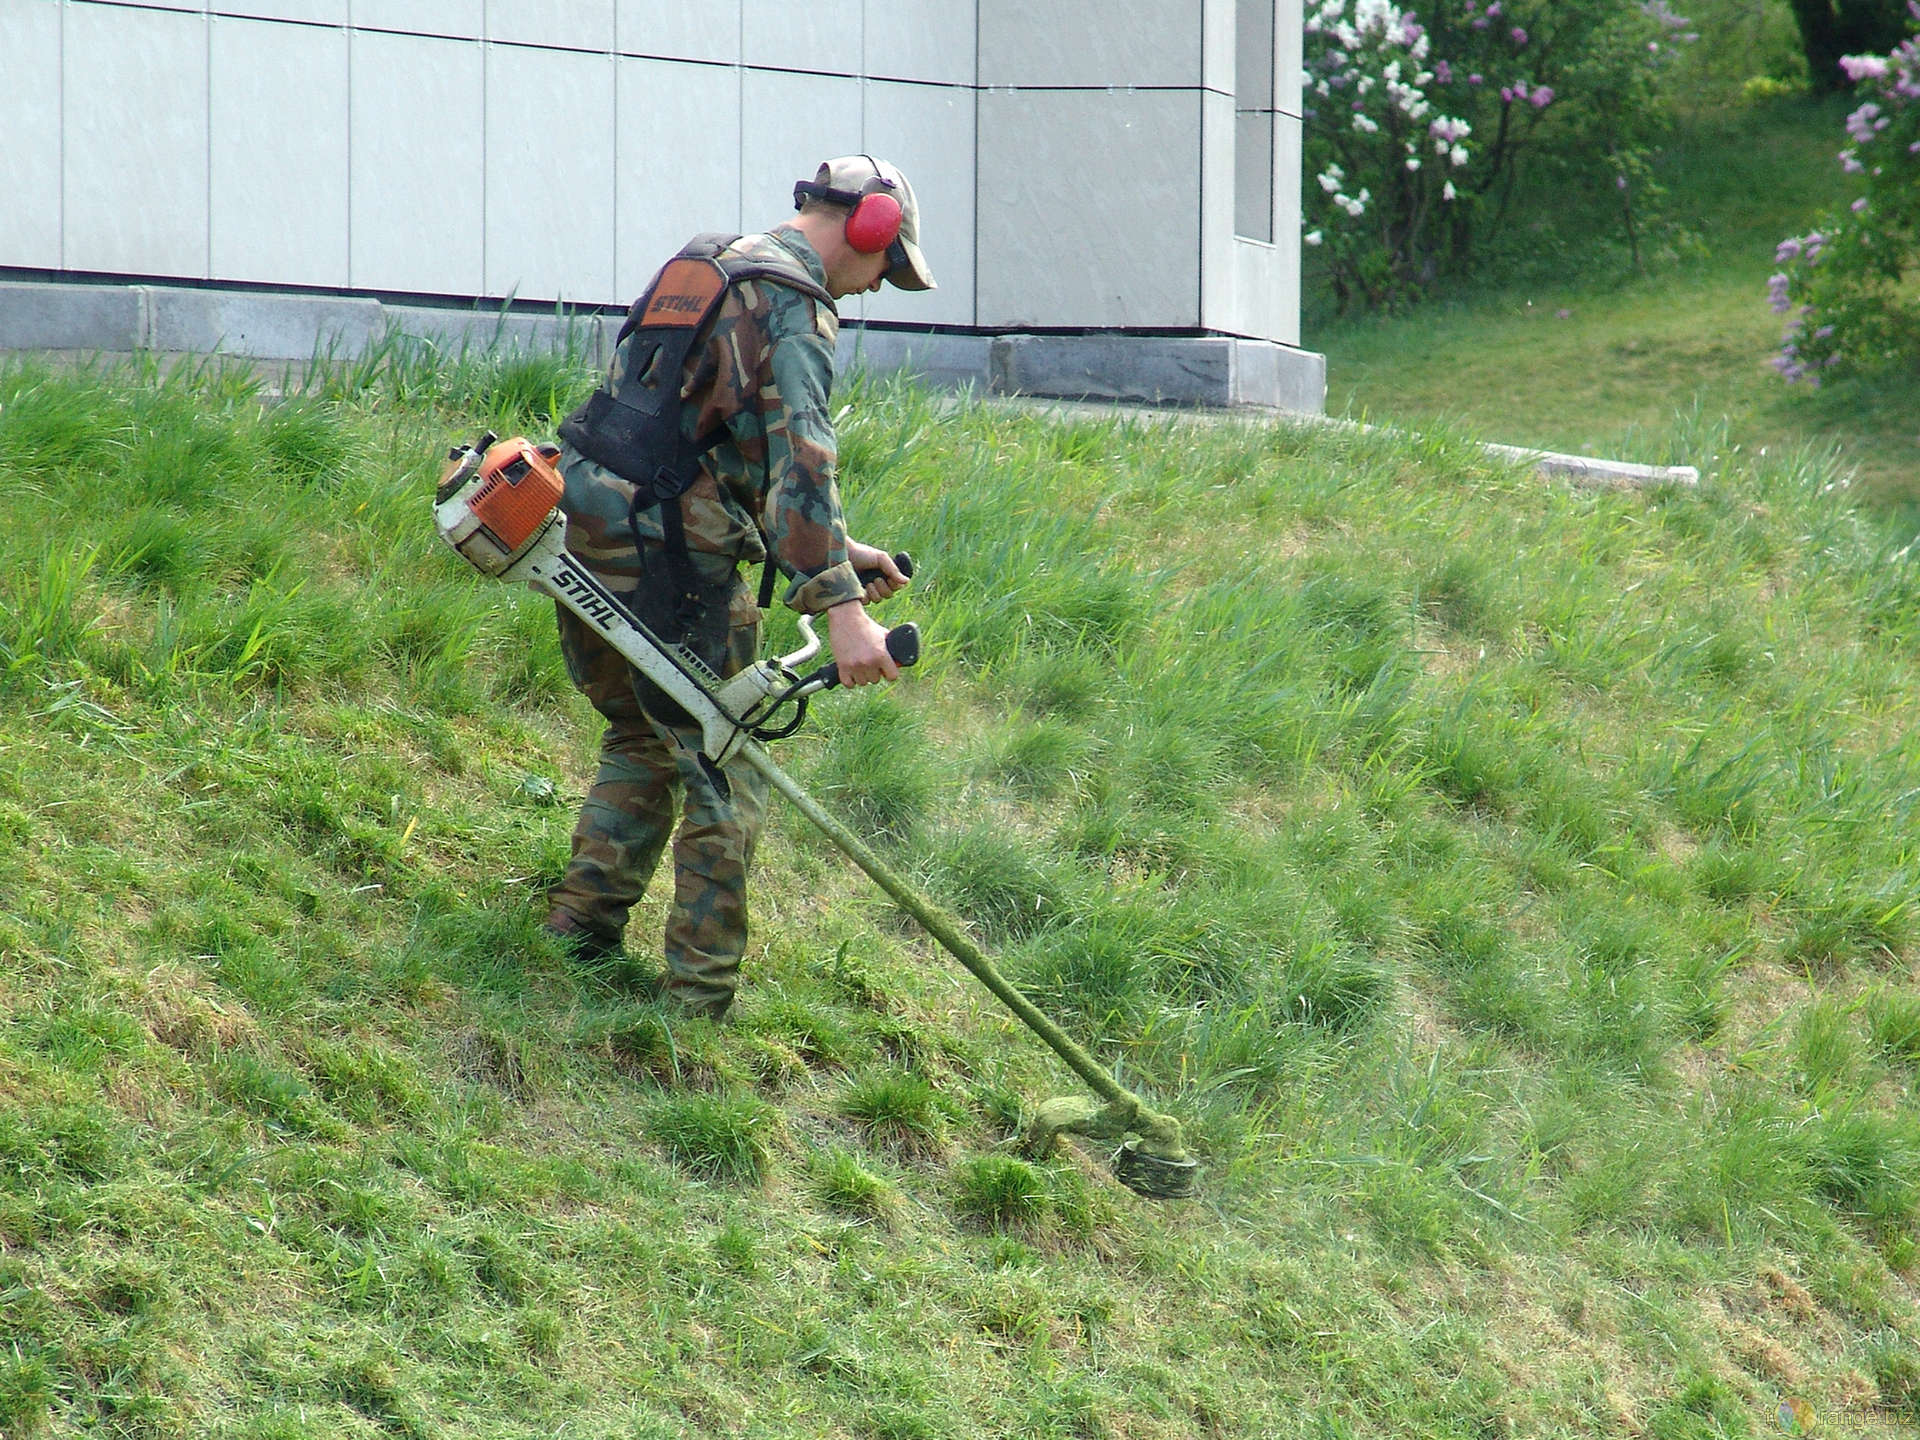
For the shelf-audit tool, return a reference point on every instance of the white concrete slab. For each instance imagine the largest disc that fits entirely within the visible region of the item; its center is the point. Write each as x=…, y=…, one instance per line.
x=1217, y=207
x=308, y=12
x=790, y=124
x=549, y=169
x=563, y=24
x=1287, y=74
x=671, y=29
x=678, y=166
x=1089, y=208
x=30, y=121
x=817, y=35
x=134, y=172
x=930, y=40
x=417, y=188
x=1283, y=318
x=1090, y=42
x=277, y=152
x=927, y=130
x=456, y=19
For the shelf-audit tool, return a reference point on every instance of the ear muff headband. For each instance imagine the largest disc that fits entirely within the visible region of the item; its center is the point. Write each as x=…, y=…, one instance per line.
x=873, y=221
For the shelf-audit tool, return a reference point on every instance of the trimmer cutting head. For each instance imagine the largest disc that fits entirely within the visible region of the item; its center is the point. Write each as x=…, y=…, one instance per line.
x=1154, y=1176
x=1152, y=1161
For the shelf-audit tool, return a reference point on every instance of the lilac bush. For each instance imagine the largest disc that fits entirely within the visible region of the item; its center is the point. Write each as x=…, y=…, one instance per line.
x=1840, y=285
x=1418, y=129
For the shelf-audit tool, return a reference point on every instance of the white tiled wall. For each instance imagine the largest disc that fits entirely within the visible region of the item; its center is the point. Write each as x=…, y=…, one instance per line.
x=550, y=176
x=928, y=40
x=134, y=140
x=1097, y=43
x=457, y=19
x=277, y=153
x=789, y=124
x=30, y=119
x=1092, y=215
x=674, y=30
x=417, y=193
x=559, y=149
x=819, y=35
x=563, y=24
x=677, y=165
x=928, y=131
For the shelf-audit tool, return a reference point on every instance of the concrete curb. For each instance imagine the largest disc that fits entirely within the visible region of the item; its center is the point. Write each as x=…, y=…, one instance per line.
x=1586, y=471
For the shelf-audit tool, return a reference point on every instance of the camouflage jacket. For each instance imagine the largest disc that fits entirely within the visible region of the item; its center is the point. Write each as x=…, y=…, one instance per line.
x=764, y=371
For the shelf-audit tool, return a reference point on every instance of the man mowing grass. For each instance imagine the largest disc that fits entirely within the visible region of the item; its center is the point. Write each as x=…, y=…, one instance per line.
x=710, y=446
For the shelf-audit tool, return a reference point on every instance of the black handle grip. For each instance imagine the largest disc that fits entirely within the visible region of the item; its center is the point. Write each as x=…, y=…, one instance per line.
x=900, y=558
x=903, y=644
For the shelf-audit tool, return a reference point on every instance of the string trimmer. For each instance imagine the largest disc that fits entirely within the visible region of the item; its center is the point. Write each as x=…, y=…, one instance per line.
x=498, y=505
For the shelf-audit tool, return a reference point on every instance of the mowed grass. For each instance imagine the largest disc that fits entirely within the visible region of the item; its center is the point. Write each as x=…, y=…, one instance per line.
x=1510, y=887
x=1601, y=362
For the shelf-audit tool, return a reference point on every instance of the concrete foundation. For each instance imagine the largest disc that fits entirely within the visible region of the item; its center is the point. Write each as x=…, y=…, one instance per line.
x=1196, y=370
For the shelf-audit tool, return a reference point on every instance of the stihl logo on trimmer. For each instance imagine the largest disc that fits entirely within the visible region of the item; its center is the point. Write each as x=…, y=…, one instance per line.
x=586, y=598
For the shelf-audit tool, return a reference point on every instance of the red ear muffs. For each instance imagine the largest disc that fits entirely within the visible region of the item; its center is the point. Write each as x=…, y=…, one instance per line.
x=874, y=223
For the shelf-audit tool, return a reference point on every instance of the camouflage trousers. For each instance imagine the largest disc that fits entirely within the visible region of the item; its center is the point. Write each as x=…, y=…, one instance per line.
x=646, y=765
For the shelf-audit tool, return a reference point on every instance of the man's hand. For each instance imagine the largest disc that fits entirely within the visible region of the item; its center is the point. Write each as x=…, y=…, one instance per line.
x=891, y=581
x=859, y=643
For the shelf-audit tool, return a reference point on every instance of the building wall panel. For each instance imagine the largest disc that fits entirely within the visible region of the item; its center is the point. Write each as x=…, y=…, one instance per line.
x=549, y=176
x=455, y=19
x=668, y=30
x=417, y=194
x=1079, y=43
x=790, y=123
x=30, y=87
x=1089, y=208
x=560, y=24
x=277, y=153
x=678, y=162
x=134, y=121
x=928, y=40
x=818, y=35
x=928, y=131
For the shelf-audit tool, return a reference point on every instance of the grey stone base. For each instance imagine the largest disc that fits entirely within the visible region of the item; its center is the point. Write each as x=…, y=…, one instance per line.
x=259, y=325
x=1208, y=370
x=1200, y=370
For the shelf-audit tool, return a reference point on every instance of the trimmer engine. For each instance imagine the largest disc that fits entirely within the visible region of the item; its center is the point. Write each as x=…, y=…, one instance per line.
x=496, y=499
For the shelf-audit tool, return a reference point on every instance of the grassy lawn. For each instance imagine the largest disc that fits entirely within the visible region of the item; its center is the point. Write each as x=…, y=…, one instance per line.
x=1630, y=369
x=1511, y=889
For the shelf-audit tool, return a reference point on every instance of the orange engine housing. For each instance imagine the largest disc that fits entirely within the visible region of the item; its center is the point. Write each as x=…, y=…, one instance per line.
x=519, y=486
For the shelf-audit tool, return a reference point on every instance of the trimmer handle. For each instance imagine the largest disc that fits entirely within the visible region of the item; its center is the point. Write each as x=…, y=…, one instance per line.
x=903, y=644
x=900, y=558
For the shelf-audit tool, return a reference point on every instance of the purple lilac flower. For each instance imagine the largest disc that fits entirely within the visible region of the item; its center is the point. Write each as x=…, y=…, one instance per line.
x=1864, y=67
x=1474, y=78
x=1860, y=205
x=1777, y=299
x=1860, y=124
x=1542, y=96
x=1519, y=35
x=1443, y=72
x=1480, y=23
x=1788, y=250
x=1850, y=164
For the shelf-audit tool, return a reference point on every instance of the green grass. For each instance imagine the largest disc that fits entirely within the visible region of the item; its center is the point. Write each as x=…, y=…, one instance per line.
x=1646, y=367
x=1510, y=888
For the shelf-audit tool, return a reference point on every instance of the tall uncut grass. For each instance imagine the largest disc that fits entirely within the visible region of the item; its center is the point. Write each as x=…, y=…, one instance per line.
x=1511, y=887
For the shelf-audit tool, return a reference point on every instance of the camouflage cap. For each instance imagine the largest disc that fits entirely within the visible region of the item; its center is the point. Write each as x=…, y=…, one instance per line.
x=856, y=175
